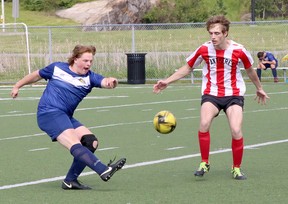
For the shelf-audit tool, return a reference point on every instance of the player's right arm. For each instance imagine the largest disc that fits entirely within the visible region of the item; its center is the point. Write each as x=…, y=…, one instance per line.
x=28, y=79
x=180, y=73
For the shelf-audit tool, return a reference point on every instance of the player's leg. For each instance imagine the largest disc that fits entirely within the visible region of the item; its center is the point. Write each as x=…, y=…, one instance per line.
x=89, y=141
x=70, y=140
x=59, y=127
x=82, y=154
x=274, y=72
x=260, y=66
x=235, y=117
x=207, y=113
x=54, y=124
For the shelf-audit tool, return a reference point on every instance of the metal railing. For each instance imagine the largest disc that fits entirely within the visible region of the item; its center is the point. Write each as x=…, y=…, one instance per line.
x=166, y=45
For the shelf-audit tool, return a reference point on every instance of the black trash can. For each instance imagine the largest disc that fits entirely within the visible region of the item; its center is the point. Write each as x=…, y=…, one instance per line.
x=136, y=68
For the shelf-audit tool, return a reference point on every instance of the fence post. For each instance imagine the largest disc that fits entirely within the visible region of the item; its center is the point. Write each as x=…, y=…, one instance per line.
x=133, y=40
x=50, y=44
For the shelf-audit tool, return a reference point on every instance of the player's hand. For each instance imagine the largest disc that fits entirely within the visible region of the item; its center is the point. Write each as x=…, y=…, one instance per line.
x=159, y=86
x=111, y=83
x=261, y=97
x=14, y=92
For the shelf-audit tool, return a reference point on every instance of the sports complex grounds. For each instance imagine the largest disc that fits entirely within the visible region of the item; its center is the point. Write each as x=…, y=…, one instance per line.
x=159, y=168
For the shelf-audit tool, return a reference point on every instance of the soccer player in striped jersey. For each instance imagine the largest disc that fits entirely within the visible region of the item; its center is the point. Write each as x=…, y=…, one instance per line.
x=223, y=88
x=68, y=84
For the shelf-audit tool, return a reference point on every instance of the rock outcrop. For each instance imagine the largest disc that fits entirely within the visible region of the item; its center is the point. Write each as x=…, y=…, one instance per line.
x=108, y=11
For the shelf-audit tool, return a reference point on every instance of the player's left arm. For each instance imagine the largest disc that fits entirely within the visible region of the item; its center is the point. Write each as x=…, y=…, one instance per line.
x=109, y=83
x=261, y=95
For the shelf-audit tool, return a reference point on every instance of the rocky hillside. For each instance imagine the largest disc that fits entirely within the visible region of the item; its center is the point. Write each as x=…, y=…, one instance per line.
x=108, y=11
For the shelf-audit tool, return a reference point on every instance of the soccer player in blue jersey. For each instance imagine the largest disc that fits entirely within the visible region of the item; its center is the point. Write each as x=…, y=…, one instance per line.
x=267, y=60
x=68, y=83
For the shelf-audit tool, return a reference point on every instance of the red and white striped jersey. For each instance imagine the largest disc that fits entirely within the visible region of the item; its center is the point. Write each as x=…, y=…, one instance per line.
x=221, y=74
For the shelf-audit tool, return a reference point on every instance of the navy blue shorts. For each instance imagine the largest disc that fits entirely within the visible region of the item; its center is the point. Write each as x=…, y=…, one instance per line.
x=222, y=103
x=269, y=66
x=55, y=122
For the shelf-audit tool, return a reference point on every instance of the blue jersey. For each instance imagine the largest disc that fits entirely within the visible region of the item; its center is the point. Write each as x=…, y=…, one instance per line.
x=65, y=89
x=270, y=57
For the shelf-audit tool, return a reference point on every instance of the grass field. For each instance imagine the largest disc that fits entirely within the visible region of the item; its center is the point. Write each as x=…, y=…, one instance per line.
x=35, y=18
x=159, y=168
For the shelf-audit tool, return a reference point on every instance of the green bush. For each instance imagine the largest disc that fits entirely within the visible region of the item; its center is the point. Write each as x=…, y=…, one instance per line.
x=183, y=11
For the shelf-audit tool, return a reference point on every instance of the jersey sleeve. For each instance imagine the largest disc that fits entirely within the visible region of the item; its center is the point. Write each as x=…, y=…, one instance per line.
x=47, y=72
x=96, y=79
x=271, y=57
x=246, y=59
x=195, y=58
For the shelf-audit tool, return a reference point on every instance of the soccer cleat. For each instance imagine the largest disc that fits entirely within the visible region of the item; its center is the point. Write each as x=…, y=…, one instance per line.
x=276, y=80
x=237, y=174
x=112, y=168
x=203, y=168
x=74, y=185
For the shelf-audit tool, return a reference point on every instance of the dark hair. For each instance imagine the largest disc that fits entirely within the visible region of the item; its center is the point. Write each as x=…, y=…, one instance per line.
x=218, y=19
x=79, y=50
x=260, y=55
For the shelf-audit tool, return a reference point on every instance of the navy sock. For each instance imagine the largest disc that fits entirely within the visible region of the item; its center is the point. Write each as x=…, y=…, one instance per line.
x=83, y=155
x=75, y=170
x=259, y=73
x=274, y=72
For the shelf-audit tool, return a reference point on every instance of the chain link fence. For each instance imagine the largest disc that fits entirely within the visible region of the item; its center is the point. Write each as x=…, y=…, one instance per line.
x=167, y=45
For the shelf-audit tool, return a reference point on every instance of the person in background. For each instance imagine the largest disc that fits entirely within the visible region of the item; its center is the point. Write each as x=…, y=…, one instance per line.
x=68, y=84
x=223, y=88
x=267, y=60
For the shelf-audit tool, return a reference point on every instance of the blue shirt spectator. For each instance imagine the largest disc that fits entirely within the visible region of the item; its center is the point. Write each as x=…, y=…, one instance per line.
x=267, y=60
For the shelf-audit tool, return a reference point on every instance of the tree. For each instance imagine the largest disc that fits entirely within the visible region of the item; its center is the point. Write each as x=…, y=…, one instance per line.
x=282, y=7
x=219, y=8
x=271, y=8
x=181, y=11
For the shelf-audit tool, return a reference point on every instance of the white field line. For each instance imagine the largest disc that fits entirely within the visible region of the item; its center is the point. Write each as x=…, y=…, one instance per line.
x=107, y=148
x=118, y=106
x=107, y=107
x=138, y=122
x=38, y=98
x=128, y=166
x=174, y=148
x=38, y=149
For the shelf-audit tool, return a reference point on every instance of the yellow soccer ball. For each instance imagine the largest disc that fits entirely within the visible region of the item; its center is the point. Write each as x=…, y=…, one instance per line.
x=164, y=122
